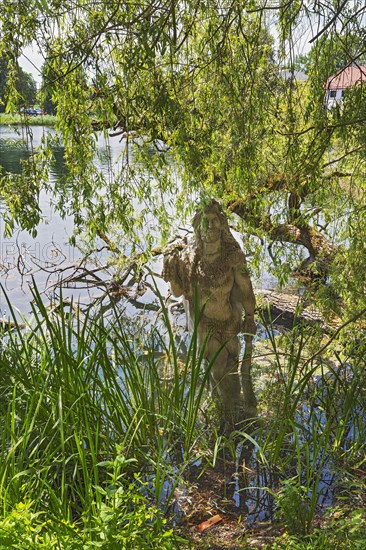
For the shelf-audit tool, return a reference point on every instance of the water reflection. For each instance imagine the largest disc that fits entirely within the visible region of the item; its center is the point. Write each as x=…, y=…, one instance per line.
x=11, y=156
x=21, y=255
x=18, y=143
x=52, y=244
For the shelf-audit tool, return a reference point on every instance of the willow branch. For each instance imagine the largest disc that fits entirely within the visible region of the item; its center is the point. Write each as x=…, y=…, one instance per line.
x=330, y=23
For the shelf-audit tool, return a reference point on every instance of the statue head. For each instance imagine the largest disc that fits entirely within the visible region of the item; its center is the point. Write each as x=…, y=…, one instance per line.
x=210, y=224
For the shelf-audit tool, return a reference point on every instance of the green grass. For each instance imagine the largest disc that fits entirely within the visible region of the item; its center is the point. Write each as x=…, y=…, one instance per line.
x=100, y=418
x=315, y=410
x=20, y=119
x=92, y=441
x=343, y=529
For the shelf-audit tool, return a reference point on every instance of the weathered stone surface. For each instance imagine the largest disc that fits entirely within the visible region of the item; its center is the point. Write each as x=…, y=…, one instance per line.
x=211, y=274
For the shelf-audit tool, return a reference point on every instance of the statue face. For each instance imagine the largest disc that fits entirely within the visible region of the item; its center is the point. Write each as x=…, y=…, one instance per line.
x=211, y=230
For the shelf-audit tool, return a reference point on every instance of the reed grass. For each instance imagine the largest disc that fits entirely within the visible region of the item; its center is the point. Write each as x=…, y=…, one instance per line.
x=99, y=422
x=316, y=428
x=81, y=396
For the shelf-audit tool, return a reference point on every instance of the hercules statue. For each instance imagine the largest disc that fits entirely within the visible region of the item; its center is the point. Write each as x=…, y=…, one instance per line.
x=213, y=267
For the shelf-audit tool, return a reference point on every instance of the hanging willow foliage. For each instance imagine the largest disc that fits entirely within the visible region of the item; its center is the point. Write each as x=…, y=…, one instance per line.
x=206, y=101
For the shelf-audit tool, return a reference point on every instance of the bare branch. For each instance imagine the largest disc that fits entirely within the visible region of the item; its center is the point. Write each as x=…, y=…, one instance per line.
x=330, y=23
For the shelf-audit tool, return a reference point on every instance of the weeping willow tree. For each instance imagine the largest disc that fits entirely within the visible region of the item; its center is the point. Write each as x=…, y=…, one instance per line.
x=195, y=93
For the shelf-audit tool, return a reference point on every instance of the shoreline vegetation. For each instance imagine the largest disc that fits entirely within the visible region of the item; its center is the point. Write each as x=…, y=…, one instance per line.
x=105, y=440
x=8, y=119
x=117, y=431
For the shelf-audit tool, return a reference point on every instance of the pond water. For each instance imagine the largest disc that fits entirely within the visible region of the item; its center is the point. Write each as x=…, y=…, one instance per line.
x=48, y=256
x=23, y=256
x=42, y=258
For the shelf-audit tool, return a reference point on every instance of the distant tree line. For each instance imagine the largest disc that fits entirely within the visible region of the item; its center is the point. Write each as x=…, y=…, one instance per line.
x=25, y=85
x=347, y=49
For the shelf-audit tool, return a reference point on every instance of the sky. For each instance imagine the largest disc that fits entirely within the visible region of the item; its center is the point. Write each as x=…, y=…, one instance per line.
x=32, y=63
x=32, y=60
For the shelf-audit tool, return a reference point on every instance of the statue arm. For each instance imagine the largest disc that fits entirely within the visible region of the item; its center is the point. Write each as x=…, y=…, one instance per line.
x=171, y=272
x=247, y=297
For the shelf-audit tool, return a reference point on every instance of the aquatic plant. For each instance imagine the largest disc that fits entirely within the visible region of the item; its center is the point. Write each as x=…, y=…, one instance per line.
x=93, y=434
x=314, y=429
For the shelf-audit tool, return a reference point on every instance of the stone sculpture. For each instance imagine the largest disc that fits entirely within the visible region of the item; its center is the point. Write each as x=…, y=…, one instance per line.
x=213, y=268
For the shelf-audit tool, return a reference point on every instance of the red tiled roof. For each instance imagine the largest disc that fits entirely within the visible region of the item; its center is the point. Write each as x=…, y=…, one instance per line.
x=346, y=78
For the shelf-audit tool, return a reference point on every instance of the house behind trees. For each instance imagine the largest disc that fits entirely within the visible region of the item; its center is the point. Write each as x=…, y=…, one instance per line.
x=337, y=84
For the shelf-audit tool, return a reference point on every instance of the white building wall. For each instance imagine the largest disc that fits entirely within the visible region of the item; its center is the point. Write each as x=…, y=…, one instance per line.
x=333, y=97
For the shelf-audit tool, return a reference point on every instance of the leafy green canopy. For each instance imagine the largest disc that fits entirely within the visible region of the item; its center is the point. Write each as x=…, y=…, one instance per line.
x=194, y=90
x=25, y=86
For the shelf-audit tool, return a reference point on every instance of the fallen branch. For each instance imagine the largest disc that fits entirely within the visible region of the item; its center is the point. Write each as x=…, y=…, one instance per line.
x=286, y=309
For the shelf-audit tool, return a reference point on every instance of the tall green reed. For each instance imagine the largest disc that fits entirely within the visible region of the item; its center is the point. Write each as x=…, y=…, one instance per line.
x=315, y=423
x=76, y=391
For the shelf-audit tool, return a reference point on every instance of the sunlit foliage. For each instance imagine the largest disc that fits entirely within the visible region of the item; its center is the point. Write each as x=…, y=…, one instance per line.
x=196, y=93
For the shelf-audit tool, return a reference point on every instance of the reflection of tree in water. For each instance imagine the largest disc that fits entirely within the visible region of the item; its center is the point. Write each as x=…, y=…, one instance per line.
x=104, y=158
x=12, y=153
x=59, y=168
